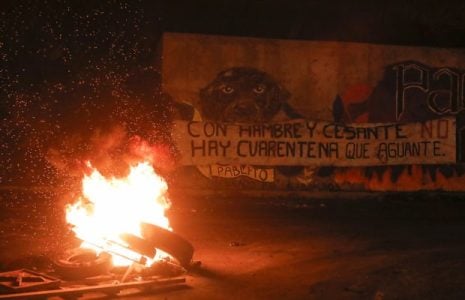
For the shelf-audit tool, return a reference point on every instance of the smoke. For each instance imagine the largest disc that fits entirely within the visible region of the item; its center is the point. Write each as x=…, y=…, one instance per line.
x=78, y=83
x=126, y=122
x=111, y=151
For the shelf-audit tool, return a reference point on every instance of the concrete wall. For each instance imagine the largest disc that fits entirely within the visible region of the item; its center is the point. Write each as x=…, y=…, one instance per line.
x=331, y=81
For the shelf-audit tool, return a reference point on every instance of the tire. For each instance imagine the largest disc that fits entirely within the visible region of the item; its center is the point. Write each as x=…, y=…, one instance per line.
x=82, y=263
x=168, y=242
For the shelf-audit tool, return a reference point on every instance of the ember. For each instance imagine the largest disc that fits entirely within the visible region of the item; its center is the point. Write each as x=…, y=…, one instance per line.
x=111, y=208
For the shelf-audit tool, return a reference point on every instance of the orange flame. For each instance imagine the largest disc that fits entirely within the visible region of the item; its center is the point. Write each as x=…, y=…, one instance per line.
x=110, y=207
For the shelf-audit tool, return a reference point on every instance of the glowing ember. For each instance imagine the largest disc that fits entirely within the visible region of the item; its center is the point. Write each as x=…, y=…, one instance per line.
x=115, y=206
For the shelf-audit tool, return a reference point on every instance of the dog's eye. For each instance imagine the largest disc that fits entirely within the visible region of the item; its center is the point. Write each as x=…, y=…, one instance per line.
x=259, y=89
x=227, y=89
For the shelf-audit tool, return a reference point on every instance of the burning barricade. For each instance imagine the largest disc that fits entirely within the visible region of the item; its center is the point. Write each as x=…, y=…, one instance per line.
x=127, y=241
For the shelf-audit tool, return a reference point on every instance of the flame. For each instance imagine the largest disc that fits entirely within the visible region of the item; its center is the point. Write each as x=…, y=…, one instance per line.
x=110, y=207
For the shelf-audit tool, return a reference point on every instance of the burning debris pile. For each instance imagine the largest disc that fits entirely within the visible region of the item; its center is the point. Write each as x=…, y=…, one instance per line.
x=89, y=90
x=127, y=241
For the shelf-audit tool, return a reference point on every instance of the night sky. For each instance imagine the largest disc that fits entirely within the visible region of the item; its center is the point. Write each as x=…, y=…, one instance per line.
x=78, y=78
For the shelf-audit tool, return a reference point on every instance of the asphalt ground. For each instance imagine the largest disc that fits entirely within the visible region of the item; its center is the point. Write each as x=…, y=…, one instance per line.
x=376, y=246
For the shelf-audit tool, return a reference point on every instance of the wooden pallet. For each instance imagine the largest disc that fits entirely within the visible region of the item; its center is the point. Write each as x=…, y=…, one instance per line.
x=108, y=289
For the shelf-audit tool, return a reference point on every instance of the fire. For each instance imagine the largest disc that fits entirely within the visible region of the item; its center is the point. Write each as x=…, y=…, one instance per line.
x=110, y=207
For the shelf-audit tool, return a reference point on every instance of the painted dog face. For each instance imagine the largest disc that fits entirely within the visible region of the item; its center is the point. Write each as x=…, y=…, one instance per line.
x=242, y=95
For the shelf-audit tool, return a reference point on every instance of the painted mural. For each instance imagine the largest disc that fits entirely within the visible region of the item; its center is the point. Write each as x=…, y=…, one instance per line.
x=420, y=93
x=245, y=95
x=247, y=83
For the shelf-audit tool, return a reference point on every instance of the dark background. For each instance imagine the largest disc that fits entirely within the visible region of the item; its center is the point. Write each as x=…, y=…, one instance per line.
x=77, y=81
x=76, y=75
